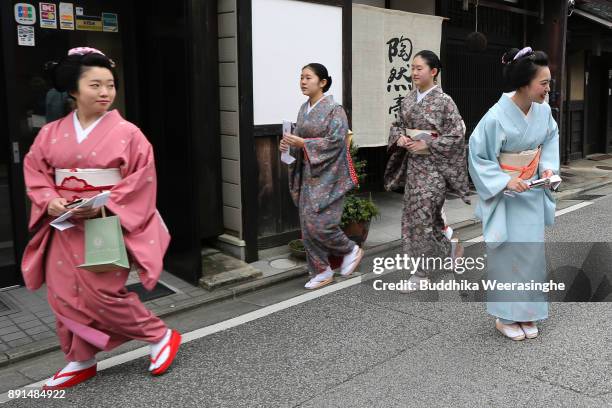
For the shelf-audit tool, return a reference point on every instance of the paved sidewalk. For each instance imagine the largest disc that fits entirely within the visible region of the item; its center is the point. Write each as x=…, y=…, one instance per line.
x=27, y=325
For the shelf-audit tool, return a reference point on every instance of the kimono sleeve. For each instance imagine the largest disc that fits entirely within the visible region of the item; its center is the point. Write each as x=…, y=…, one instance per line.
x=395, y=170
x=549, y=159
x=39, y=180
x=396, y=130
x=133, y=199
x=451, y=138
x=484, y=148
x=321, y=152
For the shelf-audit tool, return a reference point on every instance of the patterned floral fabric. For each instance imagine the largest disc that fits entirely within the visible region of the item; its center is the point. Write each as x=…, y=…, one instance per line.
x=324, y=167
x=438, y=112
x=318, y=180
x=427, y=178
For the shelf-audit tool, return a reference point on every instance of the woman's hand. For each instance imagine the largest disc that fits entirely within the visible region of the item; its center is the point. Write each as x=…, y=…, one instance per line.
x=85, y=213
x=402, y=141
x=517, y=184
x=57, y=207
x=293, y=140
x=547, y=173
x=284, y=146
x=416, y=145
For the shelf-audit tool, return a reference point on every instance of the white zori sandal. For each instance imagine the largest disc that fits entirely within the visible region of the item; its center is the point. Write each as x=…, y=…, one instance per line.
x=324, y=278
x=530, y=329
x=512, y=331
x=351, y=261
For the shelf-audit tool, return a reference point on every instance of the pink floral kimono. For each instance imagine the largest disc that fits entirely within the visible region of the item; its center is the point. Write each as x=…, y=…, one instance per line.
x=94, y=311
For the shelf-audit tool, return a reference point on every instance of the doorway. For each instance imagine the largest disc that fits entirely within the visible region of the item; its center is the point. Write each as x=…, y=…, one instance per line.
x=156, y=48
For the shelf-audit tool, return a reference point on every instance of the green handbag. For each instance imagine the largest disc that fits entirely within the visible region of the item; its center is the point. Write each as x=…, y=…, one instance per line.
x=104, y=246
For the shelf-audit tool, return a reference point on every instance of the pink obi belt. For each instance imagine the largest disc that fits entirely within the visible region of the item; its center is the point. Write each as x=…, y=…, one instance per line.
x=86, y=180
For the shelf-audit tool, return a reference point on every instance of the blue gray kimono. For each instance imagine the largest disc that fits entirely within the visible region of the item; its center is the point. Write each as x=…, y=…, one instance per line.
x=319, y=179
x=513, y=227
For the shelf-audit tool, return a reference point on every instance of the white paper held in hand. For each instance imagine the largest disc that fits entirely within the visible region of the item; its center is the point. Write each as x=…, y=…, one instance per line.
x=61, y=223
x=286, y=157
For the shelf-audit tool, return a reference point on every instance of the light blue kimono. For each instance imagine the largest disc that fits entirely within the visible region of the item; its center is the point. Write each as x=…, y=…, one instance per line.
x=513, y=227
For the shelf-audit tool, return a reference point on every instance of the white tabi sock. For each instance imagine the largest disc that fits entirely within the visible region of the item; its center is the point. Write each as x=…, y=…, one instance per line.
x=156, y=348
x=71, y=367
x=350, y=257
x=448, y=232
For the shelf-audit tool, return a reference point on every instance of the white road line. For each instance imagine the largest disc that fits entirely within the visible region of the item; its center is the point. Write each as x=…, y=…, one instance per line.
x=248, y=317
x=573, y=208
x=215, y=328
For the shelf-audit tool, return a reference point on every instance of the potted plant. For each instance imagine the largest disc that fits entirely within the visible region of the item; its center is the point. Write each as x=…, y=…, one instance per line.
x=358, y=211
x=296, y=247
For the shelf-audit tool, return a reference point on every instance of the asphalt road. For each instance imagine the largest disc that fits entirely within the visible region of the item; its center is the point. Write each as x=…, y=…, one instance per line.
x=356, y=348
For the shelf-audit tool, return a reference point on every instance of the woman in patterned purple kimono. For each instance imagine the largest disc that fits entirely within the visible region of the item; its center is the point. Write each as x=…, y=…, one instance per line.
x=428, y=164
x=320, y=177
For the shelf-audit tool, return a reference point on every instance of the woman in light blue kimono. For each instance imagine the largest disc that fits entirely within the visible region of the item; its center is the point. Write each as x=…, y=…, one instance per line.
x=518, y=126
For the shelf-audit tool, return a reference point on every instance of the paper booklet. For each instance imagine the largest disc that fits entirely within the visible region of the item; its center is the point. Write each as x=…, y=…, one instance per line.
x=425, y=135
x=61, y=223
x=286, y=157
x=416, y=134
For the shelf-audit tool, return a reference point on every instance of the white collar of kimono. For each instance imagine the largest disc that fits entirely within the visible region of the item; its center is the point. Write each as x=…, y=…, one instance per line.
x=316, y=103
x=81, y=134
x=420, y=95
x=525, y=116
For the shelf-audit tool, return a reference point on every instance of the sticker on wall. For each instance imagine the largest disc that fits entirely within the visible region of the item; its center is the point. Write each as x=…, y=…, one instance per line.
x=25, y=36
x=48, y=15
x=25, y=14
x=79, y=11
x=66, y=16
x=89, y=23
x=110, y=22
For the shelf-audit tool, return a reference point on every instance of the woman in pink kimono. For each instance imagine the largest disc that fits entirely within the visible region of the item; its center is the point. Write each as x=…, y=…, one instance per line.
x=89, y=151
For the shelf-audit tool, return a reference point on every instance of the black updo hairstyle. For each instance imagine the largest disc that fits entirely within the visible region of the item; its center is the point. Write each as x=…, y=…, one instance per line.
x=521, y=71
x=432, y=61
x=321, y=72
x=65, y=74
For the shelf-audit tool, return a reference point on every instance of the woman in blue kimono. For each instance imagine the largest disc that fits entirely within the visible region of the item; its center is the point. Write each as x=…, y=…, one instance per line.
x=320, y=177
x=518, y=127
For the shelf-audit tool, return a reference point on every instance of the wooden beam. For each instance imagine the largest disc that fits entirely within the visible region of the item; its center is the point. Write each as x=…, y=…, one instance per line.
x=248, y=159
x=503, y=7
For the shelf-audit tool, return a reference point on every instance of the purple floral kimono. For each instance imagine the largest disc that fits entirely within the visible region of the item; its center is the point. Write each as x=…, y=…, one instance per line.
x=319, y=178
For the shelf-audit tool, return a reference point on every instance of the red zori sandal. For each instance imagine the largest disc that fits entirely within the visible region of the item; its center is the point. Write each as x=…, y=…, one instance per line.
x=172, y=344
x=77, y=377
